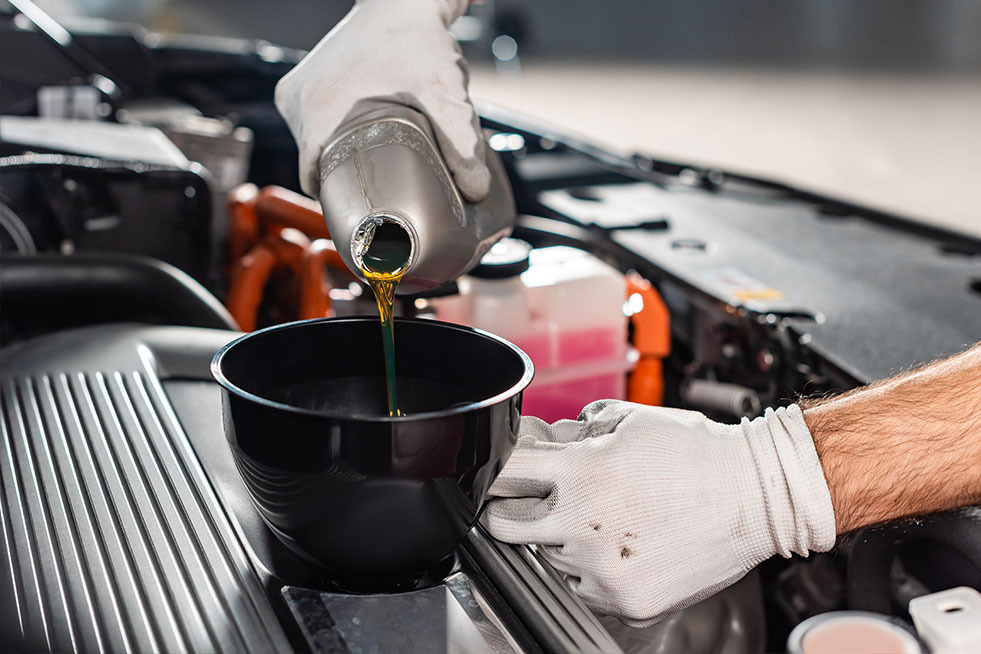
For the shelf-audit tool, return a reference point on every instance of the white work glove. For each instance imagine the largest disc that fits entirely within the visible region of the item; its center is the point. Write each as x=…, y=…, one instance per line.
x=649, y=510
x=387, y=51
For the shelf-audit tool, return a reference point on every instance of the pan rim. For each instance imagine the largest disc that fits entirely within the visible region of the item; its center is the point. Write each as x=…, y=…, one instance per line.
x=219, y=376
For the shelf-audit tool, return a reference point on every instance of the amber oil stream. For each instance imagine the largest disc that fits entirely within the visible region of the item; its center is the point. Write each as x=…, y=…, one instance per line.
x=384, y=264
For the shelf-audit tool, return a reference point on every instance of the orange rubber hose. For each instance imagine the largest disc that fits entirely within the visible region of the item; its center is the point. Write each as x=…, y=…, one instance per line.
x=249, y=275
x=276, y=204
x=314, y=287
x=243, y=221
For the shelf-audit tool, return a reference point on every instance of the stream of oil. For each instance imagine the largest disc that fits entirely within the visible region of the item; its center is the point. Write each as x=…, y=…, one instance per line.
x=383, y=265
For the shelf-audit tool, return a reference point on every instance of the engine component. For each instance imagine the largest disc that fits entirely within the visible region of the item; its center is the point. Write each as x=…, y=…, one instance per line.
x=855, y=631
x=890, y=565
x=269, y=242
x=949, y=621
x=215, y=143
x=651, y=338
x=108, y=141
x=729, y=399
x=47, y=292
x=71, y=203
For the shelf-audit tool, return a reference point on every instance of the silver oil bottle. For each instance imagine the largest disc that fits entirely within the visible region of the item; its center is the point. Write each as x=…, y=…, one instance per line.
x=386, y=168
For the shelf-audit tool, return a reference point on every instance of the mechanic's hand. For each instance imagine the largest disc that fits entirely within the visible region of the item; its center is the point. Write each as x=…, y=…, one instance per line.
x=648, y=510
x=387, y=51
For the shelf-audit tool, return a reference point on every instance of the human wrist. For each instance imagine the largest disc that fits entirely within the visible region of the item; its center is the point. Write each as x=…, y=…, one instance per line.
x=862, y=471
x=905, y=446
x=842, y=483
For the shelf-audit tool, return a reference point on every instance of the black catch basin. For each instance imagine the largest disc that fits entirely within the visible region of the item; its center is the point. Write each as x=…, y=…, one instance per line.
x=375, y=501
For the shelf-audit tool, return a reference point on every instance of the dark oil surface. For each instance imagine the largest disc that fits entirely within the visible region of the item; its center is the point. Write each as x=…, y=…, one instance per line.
x=364, y=396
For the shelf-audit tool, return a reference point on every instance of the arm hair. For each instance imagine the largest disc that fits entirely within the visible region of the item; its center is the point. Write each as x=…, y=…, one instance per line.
x=908, y=445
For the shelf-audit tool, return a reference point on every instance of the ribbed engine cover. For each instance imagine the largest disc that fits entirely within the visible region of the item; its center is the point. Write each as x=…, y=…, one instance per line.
x=113, y=537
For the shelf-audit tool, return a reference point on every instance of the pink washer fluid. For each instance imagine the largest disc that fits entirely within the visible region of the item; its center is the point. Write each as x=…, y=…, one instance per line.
x=564, y=308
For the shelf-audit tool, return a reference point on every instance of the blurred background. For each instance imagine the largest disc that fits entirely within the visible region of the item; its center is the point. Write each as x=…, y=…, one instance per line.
x=877, y=101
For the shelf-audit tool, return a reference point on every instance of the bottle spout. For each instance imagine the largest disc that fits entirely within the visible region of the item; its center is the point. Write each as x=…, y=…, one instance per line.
x=384, y=243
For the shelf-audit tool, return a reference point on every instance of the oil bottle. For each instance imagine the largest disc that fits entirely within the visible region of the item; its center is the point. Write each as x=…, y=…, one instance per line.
x=385, y=169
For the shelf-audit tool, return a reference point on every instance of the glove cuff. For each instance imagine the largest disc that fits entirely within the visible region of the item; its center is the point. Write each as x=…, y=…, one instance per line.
x=796, y=508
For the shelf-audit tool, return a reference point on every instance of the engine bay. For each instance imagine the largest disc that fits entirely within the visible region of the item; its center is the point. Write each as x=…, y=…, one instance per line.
x=161, y=189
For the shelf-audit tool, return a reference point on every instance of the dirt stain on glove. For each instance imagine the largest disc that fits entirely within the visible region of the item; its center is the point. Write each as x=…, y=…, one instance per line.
x=596, y=527
x=625, y=552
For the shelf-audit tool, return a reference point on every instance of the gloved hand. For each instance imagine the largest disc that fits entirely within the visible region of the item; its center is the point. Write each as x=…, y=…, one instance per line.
x=649, y=510
x=387, y=51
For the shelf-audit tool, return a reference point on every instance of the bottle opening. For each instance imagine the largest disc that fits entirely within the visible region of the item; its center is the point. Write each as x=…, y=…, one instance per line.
x=385, y=246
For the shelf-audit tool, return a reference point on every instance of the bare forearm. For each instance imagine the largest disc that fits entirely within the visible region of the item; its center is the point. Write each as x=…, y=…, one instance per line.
x=906, y=446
